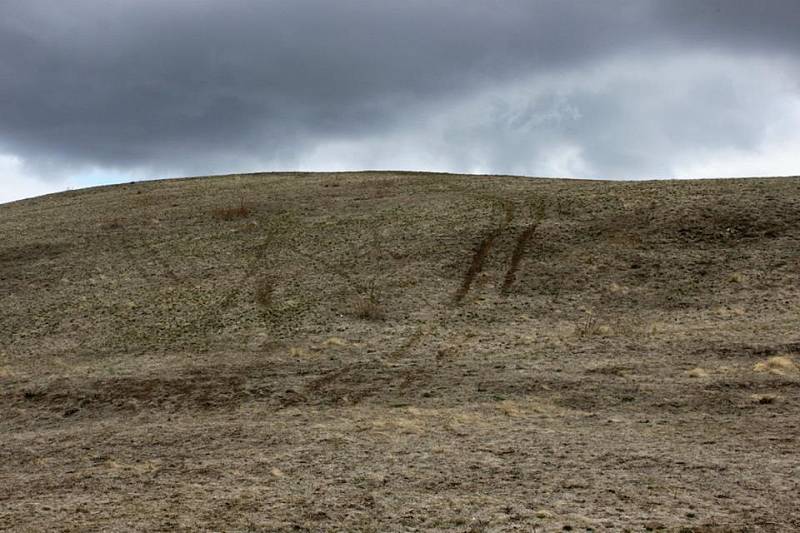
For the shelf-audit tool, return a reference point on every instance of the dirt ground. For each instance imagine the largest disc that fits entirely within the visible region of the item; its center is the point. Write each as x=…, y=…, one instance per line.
x=402, y=352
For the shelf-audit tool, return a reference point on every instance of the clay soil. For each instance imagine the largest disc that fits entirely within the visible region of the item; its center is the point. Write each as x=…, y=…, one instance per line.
x=402, y=352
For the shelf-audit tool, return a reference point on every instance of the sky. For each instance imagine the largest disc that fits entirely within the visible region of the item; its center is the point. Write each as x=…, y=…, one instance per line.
x=108, y=91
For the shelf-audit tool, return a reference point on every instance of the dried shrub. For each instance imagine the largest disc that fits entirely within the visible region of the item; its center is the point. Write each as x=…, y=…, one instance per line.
x=368, y=308
x=587, y=327
x=242, y=210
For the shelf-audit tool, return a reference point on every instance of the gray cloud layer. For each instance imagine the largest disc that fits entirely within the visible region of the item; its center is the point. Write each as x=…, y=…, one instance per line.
x=624, y=88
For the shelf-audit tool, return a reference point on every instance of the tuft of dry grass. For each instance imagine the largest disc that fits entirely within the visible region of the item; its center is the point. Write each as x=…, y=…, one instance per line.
x=764, y=399
x=298, y=351
x=335, y=341
x=780, y=365
x=368, y=308
x=697, y=373
x=737, y=277
x=243, y=210
x=590, y=326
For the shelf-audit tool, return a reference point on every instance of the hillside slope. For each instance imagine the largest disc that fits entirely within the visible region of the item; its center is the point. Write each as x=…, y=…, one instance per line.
x=407, y=350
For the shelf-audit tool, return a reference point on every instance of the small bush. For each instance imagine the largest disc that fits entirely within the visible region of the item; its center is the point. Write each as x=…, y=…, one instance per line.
x=368, y=308
x=589, y=327
x=243, y=210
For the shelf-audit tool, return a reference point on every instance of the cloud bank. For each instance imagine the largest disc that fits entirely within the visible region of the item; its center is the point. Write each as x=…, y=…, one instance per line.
x=618, y=89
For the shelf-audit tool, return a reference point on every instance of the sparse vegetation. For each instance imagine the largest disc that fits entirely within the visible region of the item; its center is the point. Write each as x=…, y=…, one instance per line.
x=368, y=308
x=242, y=210
x=590, y=326
x=697, y=373
x=617, y=358
x=781, y=365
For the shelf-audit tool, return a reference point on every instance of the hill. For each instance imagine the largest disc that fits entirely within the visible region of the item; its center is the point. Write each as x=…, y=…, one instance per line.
x=388, y=350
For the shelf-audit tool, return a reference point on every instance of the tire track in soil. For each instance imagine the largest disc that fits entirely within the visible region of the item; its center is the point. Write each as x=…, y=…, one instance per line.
x=516, y=257
x=476, y=265
x=482, y=252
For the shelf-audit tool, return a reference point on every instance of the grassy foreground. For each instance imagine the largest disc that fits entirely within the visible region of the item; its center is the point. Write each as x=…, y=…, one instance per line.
x=388, y=351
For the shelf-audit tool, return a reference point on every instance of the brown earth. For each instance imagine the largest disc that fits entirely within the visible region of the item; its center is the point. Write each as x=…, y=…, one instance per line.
x=401, y=352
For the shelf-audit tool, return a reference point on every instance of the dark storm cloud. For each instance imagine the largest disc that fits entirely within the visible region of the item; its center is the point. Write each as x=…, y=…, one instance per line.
x=769, y=25
x=208, y=86
x=129, y=81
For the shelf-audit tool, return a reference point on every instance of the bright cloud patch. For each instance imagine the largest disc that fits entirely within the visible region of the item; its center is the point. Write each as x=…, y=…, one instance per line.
x=692, y=115
x=17, y=183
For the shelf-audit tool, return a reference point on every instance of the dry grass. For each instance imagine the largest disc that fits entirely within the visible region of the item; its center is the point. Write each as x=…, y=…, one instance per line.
x=368, y=308
x=765, y=399
x=183, y=356
x=243, y=210
x=591, y=326
x=335, y=342
x=697, y=373
x=780, y=365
